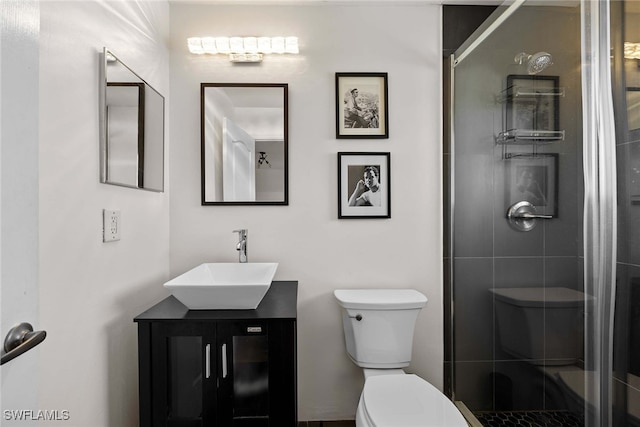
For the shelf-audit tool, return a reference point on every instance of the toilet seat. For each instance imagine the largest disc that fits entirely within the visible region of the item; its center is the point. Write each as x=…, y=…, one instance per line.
x=407, y=401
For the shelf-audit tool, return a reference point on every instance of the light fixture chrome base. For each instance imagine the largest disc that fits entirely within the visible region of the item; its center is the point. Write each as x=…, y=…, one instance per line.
x=245, y=57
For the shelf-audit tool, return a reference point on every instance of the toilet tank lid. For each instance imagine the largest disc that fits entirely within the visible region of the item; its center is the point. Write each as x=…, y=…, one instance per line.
x=380, y=299
x=557, y=297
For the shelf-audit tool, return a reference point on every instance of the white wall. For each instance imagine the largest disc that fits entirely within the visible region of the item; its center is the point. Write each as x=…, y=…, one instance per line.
x=306, y=238
x=90, y=291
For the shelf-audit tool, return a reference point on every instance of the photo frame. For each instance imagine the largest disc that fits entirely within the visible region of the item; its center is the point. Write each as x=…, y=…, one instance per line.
x=534, y=178
x=361, y=106
x=532, y=104
x=362, y=194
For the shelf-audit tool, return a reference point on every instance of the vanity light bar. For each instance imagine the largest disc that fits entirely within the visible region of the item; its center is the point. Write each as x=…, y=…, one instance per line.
x=243, y=49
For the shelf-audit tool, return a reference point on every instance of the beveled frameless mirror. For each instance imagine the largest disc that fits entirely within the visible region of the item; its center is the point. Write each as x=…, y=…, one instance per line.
x=131, y=128
x=244, y=151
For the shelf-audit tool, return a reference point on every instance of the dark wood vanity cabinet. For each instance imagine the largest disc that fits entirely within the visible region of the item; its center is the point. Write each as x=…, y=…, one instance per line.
x=222, y=368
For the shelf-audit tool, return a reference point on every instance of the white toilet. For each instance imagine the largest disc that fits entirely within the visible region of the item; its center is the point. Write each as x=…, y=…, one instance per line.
x=378, y=330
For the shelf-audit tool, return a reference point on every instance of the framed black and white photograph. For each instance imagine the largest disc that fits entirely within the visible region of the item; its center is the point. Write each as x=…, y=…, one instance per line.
x=364, y=189
x=361, y=105
x=532, y=103
x=534, y=178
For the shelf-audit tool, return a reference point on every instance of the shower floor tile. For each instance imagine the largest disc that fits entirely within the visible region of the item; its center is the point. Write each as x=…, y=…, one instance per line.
x=530, y=419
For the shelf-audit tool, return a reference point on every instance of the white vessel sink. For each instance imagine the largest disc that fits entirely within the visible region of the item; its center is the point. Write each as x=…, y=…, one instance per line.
x=223, y=286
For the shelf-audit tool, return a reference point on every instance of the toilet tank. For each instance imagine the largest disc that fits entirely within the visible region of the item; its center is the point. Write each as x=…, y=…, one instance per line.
x=378, y=325
x=544, y=325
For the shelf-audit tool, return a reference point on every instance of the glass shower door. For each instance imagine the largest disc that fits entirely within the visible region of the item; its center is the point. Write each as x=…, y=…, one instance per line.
x=520, y=214
x=625, y=386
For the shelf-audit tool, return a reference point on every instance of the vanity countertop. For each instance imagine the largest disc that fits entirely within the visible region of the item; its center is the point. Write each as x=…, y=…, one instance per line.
x=280, y=302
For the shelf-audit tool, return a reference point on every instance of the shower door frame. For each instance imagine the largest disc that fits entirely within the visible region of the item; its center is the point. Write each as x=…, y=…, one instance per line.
x=600, y=210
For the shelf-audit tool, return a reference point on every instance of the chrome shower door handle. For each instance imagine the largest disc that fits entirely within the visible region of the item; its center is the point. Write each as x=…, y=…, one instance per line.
x=527, y=215
x=522, y=216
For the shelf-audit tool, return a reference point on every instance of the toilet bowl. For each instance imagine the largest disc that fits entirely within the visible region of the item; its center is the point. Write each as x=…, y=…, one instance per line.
x=378, y=329
x=405, y=400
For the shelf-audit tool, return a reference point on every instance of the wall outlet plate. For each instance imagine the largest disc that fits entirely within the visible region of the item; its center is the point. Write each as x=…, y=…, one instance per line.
x=111, y=225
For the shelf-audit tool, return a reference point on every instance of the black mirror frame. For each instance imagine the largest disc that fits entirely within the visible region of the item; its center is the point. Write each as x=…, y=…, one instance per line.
x=285, y=201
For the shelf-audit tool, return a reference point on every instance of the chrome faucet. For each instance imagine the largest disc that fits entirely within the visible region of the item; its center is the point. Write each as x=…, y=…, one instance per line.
x=241, y=247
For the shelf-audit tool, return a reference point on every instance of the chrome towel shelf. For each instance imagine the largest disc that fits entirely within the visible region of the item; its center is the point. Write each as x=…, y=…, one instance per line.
x=20, y=339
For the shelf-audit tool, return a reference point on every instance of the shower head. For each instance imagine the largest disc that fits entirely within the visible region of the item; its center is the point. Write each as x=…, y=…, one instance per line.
x=536, y=62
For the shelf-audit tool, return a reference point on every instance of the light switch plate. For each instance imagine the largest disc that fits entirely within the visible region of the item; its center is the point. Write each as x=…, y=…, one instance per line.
x=111, y=225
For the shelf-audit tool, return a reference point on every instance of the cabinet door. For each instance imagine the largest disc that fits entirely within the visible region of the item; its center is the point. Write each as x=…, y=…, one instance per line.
x=244, y=374
x=183, y=375
x=283, y=373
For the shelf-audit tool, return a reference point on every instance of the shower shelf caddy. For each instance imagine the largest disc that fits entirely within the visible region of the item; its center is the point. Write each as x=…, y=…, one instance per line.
x=527, y=95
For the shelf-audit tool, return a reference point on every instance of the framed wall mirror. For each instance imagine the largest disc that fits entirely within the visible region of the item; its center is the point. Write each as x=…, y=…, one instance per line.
x=131, y=128
x=244, y=152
